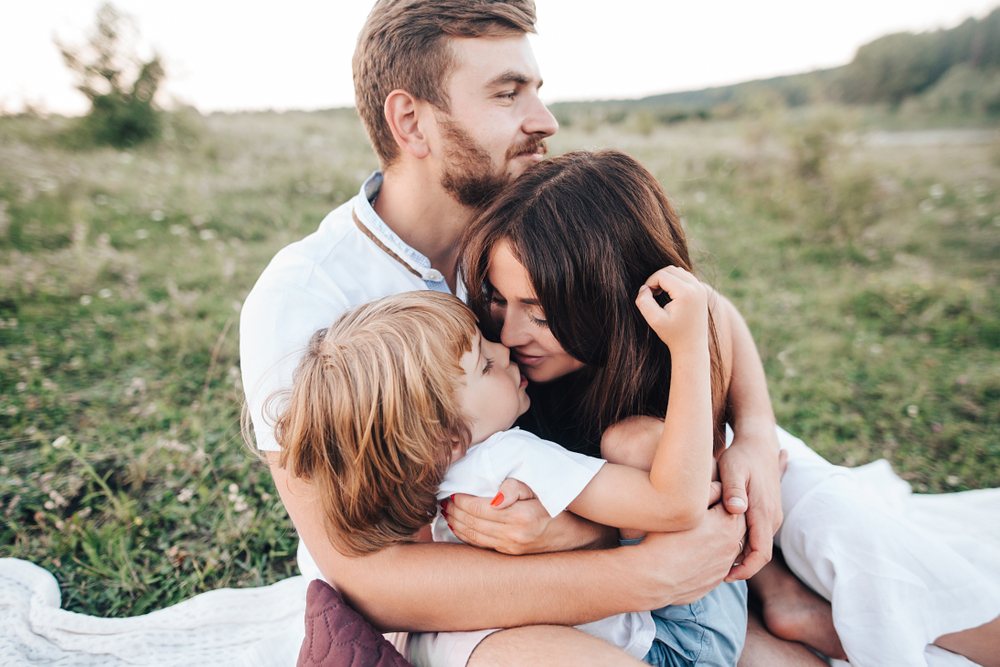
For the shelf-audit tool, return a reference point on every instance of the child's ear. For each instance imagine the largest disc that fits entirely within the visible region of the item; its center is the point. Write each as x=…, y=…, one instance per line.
x=457, y=450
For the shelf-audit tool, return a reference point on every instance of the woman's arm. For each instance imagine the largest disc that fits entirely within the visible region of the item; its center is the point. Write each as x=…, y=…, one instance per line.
x=455, y=587
x=748, y=469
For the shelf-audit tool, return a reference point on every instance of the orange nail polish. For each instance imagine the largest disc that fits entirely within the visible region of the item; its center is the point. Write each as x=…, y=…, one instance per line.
x=497, y=500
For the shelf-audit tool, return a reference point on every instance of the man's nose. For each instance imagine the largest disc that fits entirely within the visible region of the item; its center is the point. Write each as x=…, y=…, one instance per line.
x=540, y=120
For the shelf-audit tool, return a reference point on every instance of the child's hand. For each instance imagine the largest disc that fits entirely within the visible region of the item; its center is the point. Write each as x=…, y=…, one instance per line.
x=511, y=490
x=683, y=323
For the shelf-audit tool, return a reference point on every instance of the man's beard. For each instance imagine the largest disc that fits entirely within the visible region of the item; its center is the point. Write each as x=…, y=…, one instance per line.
x=469, y=175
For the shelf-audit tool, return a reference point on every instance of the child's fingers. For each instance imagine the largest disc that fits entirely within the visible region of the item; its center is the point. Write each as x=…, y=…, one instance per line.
x=650, y=310
x=670, y=276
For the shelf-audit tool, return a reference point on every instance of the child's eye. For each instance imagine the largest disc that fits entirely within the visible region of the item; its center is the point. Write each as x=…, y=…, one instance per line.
x=488, y=367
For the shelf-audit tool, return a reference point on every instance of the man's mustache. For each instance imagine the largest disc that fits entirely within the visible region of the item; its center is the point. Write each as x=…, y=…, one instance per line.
x=527, y=146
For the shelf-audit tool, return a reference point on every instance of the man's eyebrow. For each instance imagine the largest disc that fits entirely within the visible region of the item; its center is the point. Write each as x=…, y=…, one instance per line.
x=512, y=76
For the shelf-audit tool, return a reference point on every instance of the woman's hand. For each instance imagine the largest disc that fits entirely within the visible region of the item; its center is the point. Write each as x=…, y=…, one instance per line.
x=518, y=524
x=683, y=322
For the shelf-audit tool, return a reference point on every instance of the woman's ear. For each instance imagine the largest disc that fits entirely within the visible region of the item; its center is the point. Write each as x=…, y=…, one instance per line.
x=403, y=113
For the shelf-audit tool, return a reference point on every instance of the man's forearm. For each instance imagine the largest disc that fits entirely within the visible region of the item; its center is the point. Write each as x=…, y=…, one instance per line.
x=457, y=587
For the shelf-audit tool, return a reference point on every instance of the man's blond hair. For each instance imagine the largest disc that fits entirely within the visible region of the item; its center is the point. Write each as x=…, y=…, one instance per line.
x=404, y=45
x=373, y=416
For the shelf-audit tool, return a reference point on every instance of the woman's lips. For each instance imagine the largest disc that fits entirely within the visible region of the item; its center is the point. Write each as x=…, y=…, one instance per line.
x=527, y=360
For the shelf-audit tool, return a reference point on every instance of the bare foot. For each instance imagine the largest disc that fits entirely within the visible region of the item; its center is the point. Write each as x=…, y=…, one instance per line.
x=794, y=612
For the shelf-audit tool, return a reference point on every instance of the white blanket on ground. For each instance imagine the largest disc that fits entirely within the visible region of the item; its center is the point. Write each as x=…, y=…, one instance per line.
x=263, y=627
x=248, y=627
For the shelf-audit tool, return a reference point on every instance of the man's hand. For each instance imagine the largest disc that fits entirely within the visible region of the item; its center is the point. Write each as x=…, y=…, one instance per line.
x=751, y=485
x=518, y=524
x=686, y=566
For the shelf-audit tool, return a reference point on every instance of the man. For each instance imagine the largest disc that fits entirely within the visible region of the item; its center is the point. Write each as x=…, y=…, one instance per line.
x=448, y=92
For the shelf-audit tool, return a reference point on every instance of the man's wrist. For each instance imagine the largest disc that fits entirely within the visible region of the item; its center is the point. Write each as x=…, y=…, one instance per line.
x=755, y=432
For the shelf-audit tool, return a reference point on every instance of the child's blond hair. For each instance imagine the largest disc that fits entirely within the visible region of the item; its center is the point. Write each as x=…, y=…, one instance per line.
x=373, y=416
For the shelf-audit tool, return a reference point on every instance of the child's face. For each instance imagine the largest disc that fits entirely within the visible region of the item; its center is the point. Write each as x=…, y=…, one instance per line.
x=492, y=395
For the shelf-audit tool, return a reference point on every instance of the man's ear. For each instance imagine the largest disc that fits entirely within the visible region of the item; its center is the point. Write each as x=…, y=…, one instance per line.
x=404, y=113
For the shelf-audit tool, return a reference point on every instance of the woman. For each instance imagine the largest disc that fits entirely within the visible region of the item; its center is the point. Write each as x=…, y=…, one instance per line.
x=553, y=266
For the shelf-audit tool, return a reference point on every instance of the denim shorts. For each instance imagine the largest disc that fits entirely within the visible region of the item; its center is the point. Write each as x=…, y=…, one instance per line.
x=706, y=633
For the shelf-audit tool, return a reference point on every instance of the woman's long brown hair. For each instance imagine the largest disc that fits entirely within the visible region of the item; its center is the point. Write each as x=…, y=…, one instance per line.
x=590, y=228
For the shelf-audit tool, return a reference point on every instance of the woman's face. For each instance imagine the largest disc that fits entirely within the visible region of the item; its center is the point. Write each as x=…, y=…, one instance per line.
x=525, y=330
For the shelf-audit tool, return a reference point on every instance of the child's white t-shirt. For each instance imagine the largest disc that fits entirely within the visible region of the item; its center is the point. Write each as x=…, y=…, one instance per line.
x=557, y=476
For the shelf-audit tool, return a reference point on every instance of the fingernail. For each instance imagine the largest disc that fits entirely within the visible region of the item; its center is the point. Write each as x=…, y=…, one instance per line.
x=497, y=500
x=644, y=288
x=444, y=514
x=452, y=496
x=449, y=527
x=736, y=502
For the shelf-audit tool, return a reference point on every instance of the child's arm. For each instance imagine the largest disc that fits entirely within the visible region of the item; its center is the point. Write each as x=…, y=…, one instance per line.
x=674, y=494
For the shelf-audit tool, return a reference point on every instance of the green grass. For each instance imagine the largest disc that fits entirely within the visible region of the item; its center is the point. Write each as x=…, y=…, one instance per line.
x=867, y=274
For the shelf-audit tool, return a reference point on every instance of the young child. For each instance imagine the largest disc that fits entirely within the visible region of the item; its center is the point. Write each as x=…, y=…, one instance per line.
x=402, y=402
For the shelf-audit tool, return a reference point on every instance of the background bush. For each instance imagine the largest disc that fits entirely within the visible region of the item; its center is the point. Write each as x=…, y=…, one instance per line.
x=120, y=86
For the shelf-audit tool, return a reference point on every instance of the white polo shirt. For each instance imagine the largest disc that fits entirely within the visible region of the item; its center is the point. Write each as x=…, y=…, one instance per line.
x=353, y=258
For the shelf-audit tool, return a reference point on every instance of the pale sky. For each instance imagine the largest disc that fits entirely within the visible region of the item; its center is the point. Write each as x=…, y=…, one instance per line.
x=223, y=55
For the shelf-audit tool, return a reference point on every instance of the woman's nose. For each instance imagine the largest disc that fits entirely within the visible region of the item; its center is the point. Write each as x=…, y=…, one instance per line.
x=512, y=335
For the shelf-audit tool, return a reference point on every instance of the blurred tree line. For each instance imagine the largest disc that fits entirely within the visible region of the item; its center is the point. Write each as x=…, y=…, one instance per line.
x=895, y=67
x=954, y=71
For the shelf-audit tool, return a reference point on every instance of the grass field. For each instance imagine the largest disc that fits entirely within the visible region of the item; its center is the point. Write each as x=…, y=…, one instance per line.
x=867, y=271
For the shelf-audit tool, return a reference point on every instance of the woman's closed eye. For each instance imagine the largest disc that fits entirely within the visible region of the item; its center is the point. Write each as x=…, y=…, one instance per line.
x=538, y=321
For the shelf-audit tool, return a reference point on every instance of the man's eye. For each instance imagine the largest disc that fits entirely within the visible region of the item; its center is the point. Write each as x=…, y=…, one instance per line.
x=507, y=96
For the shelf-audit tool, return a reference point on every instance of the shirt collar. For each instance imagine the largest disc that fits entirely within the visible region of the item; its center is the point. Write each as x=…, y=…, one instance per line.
x=366, y=214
